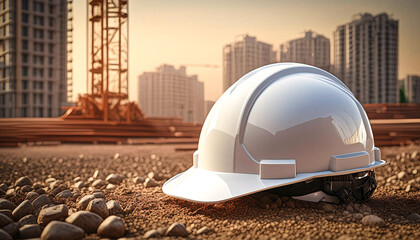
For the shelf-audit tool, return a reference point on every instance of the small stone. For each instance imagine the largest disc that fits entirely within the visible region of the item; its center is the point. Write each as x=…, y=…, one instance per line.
x=65, y=194
x=408, y=188
x=414, y=217
x=401, y=175
x=116, y=156
x=77, y=179
x=96, y=174
x=31, y=196
x=177, y=230
x=99, y=207
x=56, y=230
x=149, y=182
x=98, y=195
x=50, y=180
x=12, y=229
x=3, y=187
x=203, y=230
x=358, y=216
x=28, y=219
x=350, y=209
x=88, y=221
x=98, y=183
x=114, y=178
x=345, y=213
x=23, y=209
x=138, y=180
x=41, y=201
x=162, y=230
x=151, y=234
x=278, y=202
x=290, y=204
x=110, y=186
x=23, y=181
x=4, y=220
x=48, y=214
x=4, y=235
x=112, y=227
x=373, y=220
x=113, y=207
x=6, y=204
x=8, y=213
x=26, y=189
x=328, y=207
x=30, y=231
x=329, y=217
x=55, y=191
x=84, y=202
x=80, y=184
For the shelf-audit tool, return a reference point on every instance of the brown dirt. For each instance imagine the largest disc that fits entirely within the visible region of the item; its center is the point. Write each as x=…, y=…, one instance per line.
x=243, y=218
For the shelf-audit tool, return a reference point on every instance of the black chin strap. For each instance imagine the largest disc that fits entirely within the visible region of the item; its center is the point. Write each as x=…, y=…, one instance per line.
x=357, y=186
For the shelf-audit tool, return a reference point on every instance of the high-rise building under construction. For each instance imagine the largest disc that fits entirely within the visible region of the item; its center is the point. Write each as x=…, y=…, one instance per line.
x=33, y=81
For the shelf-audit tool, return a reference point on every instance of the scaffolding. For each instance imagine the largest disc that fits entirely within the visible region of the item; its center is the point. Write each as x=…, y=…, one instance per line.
x=69, y=51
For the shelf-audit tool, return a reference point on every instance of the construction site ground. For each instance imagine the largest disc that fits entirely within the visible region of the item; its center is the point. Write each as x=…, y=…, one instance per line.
x=243, y=218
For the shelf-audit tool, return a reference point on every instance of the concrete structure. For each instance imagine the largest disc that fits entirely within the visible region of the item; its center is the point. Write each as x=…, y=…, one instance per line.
x=366, y=57
x=411, y=86
x=32, y=58
x=169, y=92
x=244, y=55
x=208, y=104
x=312, y=49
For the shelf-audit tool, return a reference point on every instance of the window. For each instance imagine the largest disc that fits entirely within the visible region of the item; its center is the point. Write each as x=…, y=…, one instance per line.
x=50, y=35
x=23, y=112
x=41, y=72
x=25, y=5
x=25, y=98
x=51, y=9
x=25, y=17
x=38, y=33
x=38, y=47
x=50, y=48
x=24, y=71
x=38, y=7
x=25, y=31
x=50, y=22
x=39, y=20
x=25, y=58
x=41, y=85
x=50, y=60
x=24, y=84
x=24, y=44
x=50, y=87
x=50, y=72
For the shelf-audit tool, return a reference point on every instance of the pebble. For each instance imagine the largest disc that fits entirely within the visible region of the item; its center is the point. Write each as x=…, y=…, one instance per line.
x=110, y=186
x=23, y=181
x=414, y=217
x=88, y=221
x=48, y=214
x=31, y=196
x=151, y=234
x=401, y=175
x=328, y=207
x=177, y=230
x=350, y=209
x=98, y=195
x=84, y=202
x=149, y=182
x=26, y=189
x=56, y=230
x=373, y=220
x=4, y=235
x=65, y=194
x=12, y=229
x=10, y=192
x=23, y=209
x=203, y=230
x=6, y=204
x=3, y=187
x=4, y=220
x=138, y=180
x=96, y=174
x=290, y=204
x=28, y=219
x=112, y=227
x=30, y=231
x=358, y=216
x=99, y=207
x=8, y=213
x=41, y=201
x=113, y=207
x=80, y=184
x=114, y=178
x=98, y=183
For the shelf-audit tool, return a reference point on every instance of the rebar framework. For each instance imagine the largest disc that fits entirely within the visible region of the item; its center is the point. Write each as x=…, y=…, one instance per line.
x=69, y=50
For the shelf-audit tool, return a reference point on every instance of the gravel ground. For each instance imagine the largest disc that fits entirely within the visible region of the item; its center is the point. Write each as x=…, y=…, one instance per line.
x=392, y=212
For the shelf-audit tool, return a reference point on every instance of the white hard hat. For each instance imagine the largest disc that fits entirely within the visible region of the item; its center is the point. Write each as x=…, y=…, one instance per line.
x=278, y=125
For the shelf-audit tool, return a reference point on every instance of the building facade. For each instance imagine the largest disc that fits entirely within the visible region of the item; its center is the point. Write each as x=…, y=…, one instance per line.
x=411, y=86
x=32, y=58
x=208, y=104
x=366, y=57
x=244, y=55
x=312, y=49
x=169, y=92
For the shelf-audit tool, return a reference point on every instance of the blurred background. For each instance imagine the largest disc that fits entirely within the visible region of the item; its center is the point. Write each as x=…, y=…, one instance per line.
x=150, y=71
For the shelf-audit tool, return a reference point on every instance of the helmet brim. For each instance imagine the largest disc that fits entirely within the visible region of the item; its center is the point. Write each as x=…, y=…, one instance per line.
x=203, y=186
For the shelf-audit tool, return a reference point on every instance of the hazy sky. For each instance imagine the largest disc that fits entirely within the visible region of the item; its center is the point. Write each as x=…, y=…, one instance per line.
x=194, y=32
